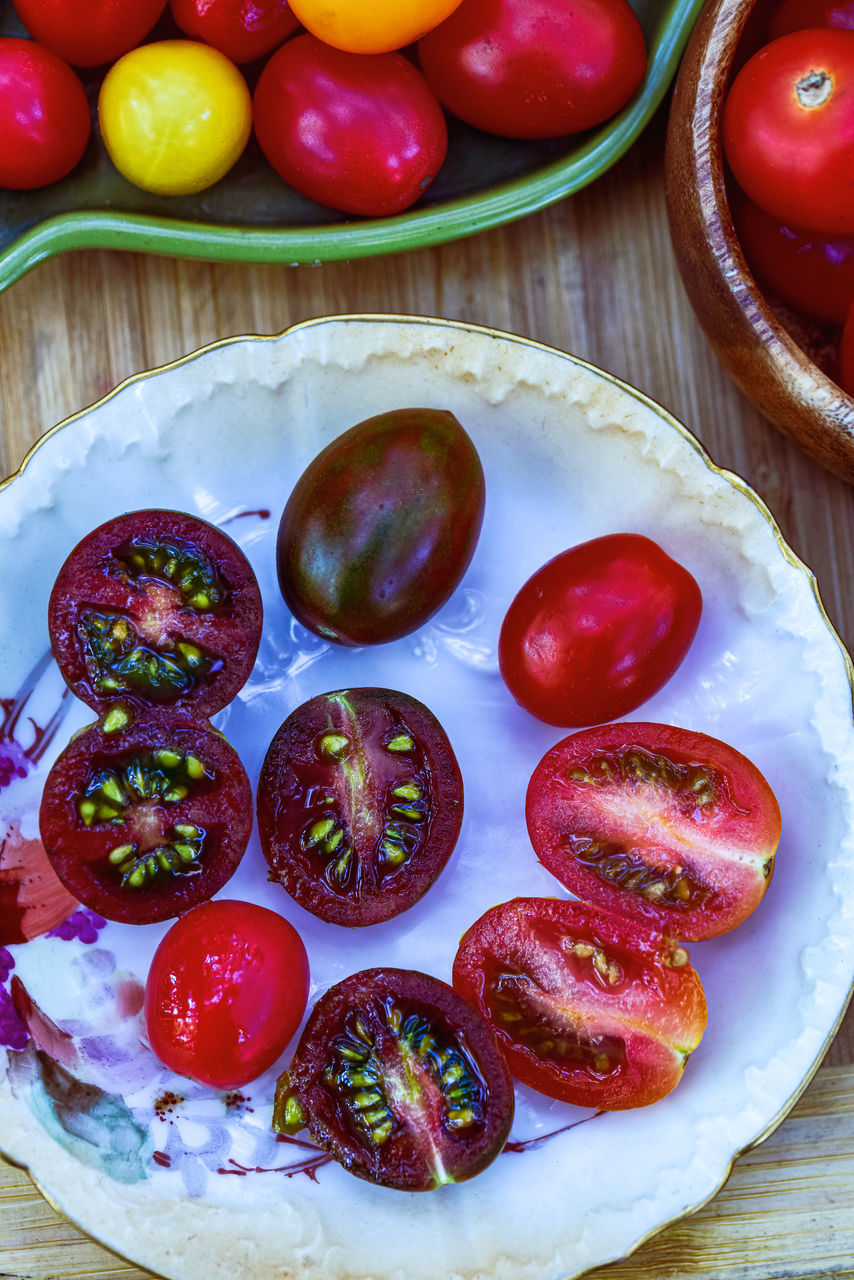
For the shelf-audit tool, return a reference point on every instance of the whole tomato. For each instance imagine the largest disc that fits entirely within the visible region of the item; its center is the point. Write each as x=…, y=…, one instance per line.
x=795, y=15
x=243, y=31
x=788, y=129
x=45, y=121
x=535, y=68
x=374, y=27
x=362, y=133
x=175, y=115
x=88, y=33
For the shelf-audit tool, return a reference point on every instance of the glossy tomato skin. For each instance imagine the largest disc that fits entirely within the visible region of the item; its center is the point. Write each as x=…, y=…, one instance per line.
x=663, y=824
x=788, y=129
x=441, y=1102
x=535, y=68
x=156, y=607
x=362, y=133
x=360, y=802
x=357, y=27
x=598, y=630
x=588, y=1007
x=381, y=526
x=45, y=121
x=242, y=31
x=89, y=33
x=225, y=992
x=144, y=820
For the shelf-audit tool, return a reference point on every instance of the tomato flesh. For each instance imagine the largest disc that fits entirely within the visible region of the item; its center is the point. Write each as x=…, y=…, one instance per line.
x=588, y=1007
x=670, y=826
x=400, y=1080
x=360, y=802
x=156, y=607
x=142, y=821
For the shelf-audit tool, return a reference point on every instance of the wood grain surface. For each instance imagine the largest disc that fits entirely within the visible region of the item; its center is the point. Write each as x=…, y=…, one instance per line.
x=593, y=275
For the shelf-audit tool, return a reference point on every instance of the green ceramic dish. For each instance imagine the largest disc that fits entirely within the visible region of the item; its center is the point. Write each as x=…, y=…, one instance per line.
x=252, y=216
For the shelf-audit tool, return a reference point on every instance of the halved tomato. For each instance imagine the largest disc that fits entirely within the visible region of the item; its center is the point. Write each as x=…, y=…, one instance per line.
x=360, y=802
x=144, y=815
x=400, y=1080
x=588, y=1007
x=664, y=824
x=158, y=607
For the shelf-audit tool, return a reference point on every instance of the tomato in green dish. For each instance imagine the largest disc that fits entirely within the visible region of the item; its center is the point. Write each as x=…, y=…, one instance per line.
x=89, y=33
x=45, y=122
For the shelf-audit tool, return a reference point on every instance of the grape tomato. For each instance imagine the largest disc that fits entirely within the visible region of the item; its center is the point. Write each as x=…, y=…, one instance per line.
x=45, y=121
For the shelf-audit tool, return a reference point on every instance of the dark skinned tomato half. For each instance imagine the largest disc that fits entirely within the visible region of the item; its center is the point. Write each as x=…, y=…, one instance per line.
x=381, y=526
x=156, y=607
x=242, y=31
x=598, y=630
x=588, y=1007
x=89, y=33
x=225, y=992
x=145, y=814
x=360, y=802
x=400, y=1080
x=664, y=824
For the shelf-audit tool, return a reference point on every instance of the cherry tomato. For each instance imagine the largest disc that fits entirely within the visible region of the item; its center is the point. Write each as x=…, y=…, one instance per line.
x=156, y=607
x=358, y=132
x=45, y=121
x=175, y=116
x=89, y=33
x=226, y=991
x=788, y=129
x=845, y=372
x=357, y=27
x=400, y=1080
x=588, y=1007
x=381, y=527
x=143, y=815
x=661, y=823
x=795, y=15
x=598, y=630
x=241, y=29
x=360, y=802
x=535, y=68
x=810, y=272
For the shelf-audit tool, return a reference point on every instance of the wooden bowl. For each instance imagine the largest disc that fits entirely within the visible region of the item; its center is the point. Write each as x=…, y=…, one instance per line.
x=746, y=332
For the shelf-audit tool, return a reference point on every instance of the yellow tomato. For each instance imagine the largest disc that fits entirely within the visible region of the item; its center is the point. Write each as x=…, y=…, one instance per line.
x=371, y=26
x=174, y=116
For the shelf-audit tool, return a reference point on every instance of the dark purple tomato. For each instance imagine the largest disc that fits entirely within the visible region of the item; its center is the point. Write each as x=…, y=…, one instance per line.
x=156, y=607
x=381, y=526
x=144, y=816
x=360, y=802
x=400, y=1080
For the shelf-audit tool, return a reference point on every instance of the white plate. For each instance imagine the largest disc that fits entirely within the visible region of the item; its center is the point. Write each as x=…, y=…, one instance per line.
x=191, y=1184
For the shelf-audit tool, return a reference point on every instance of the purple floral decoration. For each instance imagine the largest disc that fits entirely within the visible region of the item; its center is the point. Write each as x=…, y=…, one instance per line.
x=13, y=1033
x=83, y=924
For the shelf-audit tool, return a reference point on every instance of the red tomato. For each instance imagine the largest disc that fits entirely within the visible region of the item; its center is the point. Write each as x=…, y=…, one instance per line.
x=45, y=121
x=795, y=15
x=360, y=802
x=845, y=371
x=143, y=817
x=358, y=132
x=656, y=822
x=88, y=33
x=535, y=68
x=788, y=129
x=810, y=272
x=598, y=630
x=241, y=29
x=226, y=991
x=588, y=1007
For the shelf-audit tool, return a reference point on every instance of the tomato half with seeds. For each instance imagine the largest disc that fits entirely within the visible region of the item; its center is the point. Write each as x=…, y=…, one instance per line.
x=664, y=824
x=588, y=1007
x=156, y=607
x=360, y=802
x=400, y=1080
x=145, y=814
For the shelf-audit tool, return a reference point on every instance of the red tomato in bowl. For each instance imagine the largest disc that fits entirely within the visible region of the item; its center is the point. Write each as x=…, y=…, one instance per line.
x=588, y=1007
x=241, y=29
x=362, y=133
x=788, y=129
x=659, y=823
x=795, y=15
x=225, y=992
x=598, y=630
x=45, y=121
x=89, y=33
x=535, y=68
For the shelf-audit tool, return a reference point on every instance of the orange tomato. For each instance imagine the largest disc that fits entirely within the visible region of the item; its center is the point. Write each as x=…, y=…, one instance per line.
x=371, y=26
